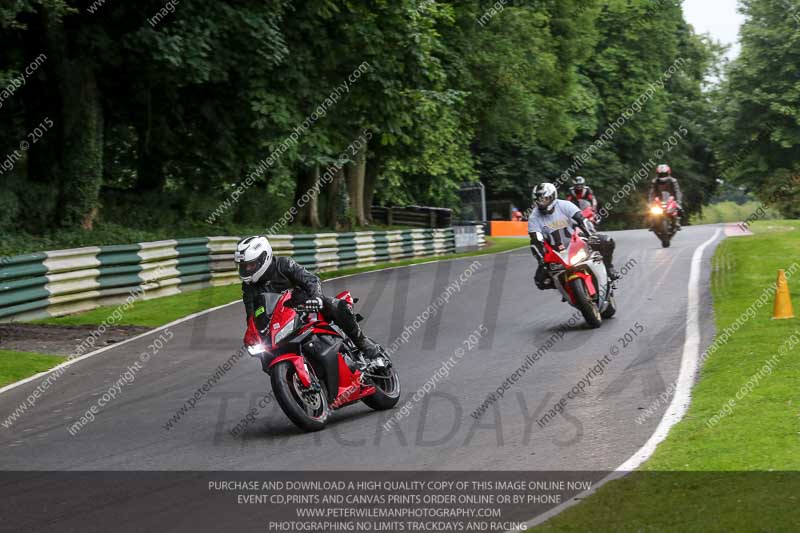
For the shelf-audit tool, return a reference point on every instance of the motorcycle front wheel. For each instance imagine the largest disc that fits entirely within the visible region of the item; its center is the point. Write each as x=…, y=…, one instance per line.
x=387, y=389
x=585, y=304
x=666, y=234
x=309, y=410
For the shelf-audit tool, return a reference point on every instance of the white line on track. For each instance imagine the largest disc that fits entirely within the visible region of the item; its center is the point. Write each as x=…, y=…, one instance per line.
x=683, y=391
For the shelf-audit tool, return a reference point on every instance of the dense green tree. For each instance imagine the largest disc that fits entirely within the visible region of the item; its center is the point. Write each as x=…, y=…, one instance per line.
x=759, y=143
x=214, y=116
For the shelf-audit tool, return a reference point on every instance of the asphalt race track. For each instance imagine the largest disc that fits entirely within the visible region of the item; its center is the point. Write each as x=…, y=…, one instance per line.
x=597, y=431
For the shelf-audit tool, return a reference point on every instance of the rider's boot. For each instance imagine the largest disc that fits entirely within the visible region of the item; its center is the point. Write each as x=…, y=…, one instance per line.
x=613, y=275
x=347, y=321
x=369, y=349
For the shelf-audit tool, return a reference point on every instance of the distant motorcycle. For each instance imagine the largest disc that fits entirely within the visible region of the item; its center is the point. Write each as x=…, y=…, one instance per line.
x=664, y=218
x=587, y=209
x=314, y=366
x=580, y=275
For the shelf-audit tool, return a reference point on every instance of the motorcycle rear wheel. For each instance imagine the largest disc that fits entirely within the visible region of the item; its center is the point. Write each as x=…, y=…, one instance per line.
x=309, y=414
x=585, y=304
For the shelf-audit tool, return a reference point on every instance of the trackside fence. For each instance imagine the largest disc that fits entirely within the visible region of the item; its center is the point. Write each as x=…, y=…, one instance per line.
x=69, y=281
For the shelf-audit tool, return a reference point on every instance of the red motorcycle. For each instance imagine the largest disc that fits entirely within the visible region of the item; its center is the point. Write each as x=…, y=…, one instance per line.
x=314, y=367
x=664, y=218
x=587, y=209
x=580, y=275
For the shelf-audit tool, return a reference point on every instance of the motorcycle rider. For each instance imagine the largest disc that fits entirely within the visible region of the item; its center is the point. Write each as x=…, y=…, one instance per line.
x=581, y=191
x=556, y=220
x=260, y=272
x=665, y=182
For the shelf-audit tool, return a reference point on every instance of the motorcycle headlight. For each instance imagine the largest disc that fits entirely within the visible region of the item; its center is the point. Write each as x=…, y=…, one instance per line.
x=284, y=332
x=578, y=257
x=655, y=210
x=256, y=349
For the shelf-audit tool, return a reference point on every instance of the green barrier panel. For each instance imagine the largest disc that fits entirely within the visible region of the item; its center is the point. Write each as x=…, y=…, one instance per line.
x=194, y=258
x=119, y=266
x=22, y=266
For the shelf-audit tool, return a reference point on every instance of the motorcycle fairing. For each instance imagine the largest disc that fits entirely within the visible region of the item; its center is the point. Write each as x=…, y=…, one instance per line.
x=323, y=352
x=299, y=366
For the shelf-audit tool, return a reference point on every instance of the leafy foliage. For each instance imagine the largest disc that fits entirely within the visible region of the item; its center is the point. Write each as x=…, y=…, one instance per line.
x=759, y=104
x=159, y=121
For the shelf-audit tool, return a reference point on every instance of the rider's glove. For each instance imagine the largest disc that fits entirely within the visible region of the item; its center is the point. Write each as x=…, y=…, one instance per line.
x=587, y=228
x=313, y=305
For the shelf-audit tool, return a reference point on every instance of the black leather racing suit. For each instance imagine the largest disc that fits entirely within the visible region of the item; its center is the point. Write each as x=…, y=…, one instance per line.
x=284, y=273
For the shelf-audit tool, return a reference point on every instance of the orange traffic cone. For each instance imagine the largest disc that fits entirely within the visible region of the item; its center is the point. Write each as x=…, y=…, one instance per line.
x=783, y=301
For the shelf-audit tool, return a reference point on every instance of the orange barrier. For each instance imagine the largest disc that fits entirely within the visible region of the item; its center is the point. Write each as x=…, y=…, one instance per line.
x=509, y=229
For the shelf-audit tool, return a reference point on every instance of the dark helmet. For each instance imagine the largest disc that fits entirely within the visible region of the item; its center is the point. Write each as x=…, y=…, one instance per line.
x=544, y=197
x=579, y=183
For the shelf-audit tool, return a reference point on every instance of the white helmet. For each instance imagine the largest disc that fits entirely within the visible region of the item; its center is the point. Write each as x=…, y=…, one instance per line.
x=544, y=196
x=253, y=256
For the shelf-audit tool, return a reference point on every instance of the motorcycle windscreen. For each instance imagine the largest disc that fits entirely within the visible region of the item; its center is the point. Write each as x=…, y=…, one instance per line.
x=559, y=239
x=265, y=306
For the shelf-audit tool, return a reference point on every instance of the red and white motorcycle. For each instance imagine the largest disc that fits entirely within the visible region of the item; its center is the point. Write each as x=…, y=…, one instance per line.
x=314, y=366
x=579, y=273
x=663, y=217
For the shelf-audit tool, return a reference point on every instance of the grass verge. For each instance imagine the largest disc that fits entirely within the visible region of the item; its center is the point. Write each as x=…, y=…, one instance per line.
x=15, y=366
x=154, y=313
x=738, y=472
x=731, y=212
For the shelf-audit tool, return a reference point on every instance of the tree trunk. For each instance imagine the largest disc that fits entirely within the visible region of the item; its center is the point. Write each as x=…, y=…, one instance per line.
x=83, y=148
x=374, y=165
x=313, y=204
x=81, y=129
x=41, y=103
x=355, y=186
x=149, y=170
x=306, y=196
x=332, y=200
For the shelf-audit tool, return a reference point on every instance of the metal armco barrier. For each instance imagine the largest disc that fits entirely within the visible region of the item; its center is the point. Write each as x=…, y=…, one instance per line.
x=70, y=281
x=414, y=216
